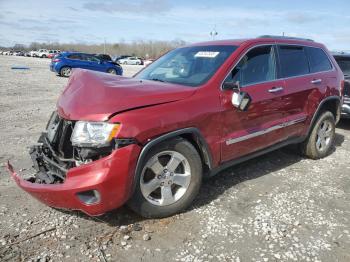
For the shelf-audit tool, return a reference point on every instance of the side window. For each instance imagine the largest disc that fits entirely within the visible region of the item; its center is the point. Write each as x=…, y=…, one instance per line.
x=293, y=61
x=318, y=60
x=258, y=65
x=75, y=57
x=91, y=58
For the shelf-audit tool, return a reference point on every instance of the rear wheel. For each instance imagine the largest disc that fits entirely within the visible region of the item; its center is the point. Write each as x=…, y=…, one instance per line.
x=321, y=139
x=169, y=181
x=66, y=71
x=125, y=63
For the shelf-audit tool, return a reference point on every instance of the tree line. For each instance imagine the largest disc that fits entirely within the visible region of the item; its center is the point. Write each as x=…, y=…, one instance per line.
x=144, y=49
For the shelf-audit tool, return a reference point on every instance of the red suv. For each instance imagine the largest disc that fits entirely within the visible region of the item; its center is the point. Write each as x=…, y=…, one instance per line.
x=148, y=141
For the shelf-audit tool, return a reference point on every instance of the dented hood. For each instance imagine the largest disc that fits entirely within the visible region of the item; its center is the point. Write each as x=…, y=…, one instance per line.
x=96, y=96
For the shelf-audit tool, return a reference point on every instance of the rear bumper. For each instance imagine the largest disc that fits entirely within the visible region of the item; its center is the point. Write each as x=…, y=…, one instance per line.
x=111, y=176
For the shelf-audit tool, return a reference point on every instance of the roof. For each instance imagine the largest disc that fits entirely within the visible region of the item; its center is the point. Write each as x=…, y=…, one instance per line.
x=260, y=39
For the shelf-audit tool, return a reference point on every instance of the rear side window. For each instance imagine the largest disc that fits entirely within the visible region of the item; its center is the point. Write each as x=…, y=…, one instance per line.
x=293, y=61
x=318, y=60
x=75, y=57
x=257, y=66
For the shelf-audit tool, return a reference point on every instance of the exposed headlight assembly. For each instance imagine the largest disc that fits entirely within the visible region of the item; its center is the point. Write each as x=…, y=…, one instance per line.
x=93, y=134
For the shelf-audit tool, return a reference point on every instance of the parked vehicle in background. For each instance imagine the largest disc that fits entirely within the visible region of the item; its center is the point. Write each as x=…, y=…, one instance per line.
x=107, y=58
x=104, y=57
x=343, y=61
x=148, y=61
x=120, y=57
x=18, y=53
x=42, y=53
x=133, y=60
x=149, y=140
x=63, y=64
x=52, y=53
x=33, y=53
x=7, y=53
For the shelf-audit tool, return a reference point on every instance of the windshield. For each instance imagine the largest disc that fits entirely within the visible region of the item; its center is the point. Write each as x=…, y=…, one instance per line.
x=344, y=64
x=190, y=66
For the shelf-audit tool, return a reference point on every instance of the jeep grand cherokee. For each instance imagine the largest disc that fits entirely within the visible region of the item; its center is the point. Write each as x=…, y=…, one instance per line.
x=149, y=140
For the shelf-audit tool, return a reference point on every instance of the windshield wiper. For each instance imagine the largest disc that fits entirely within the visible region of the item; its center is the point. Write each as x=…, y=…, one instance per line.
x=157, y=79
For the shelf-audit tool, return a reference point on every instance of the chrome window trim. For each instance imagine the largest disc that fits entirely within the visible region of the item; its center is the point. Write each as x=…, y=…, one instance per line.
x=264, y=131
x=277, y=66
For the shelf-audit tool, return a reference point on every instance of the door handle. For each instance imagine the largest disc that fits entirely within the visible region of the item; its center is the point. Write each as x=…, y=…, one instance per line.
x=316, y=81
x=276, y=89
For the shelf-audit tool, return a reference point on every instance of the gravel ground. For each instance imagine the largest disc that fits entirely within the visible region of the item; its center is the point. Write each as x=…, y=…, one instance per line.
x=278, y=207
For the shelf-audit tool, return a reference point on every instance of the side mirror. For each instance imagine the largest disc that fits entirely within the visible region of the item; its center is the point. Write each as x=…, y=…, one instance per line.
x=241, y=100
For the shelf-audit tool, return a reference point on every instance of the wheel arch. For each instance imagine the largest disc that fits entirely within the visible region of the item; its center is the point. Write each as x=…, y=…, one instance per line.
x=332, y=104
x=191, y=134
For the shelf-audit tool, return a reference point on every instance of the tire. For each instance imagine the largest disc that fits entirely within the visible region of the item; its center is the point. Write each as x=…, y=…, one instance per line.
x=112, y=71
x=125, y=63
x=320, y=142
x=138, y=63
x=66, y=71
x=43, y=56
x=167, y=197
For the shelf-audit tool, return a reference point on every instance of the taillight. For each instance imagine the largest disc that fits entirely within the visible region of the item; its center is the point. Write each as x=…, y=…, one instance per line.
x=56, y=60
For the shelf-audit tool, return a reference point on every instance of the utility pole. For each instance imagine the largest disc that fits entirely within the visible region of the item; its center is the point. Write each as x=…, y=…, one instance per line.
x=104, y=45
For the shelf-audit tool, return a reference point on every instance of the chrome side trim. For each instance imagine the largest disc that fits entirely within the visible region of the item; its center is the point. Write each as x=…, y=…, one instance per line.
x=264, y=131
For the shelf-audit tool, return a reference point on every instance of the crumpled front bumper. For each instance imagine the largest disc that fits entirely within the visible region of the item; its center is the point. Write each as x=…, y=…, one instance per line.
x=111, y=176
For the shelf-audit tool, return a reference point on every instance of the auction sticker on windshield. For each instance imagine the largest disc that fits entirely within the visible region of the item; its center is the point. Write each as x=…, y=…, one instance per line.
x=207, y=54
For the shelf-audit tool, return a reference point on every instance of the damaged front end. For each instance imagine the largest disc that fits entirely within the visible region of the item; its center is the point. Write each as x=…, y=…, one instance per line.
x=81, y=166
x=55, y=154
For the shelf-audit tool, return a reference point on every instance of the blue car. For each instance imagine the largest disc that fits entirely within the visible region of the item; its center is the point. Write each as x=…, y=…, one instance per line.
x=63, y=64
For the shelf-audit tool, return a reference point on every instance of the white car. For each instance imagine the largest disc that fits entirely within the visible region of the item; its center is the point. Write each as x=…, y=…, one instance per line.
x=130, y=61
x=32, y=53
x=42, y=53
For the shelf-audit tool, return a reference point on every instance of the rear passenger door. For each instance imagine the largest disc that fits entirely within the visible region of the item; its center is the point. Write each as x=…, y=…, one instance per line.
x=77, y=61
x=302, y=79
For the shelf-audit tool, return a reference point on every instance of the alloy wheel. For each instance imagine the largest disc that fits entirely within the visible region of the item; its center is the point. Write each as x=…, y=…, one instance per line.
x=324, y=134
x=165, y=178
x=66, y=71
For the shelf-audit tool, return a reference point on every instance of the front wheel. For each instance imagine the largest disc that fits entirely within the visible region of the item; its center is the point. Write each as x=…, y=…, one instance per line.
x=321, y=139
x=112, y=71
x=169, y=181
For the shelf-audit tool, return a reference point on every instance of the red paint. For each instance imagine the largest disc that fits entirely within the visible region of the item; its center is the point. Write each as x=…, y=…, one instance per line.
x=110, y=176
x=148, y=109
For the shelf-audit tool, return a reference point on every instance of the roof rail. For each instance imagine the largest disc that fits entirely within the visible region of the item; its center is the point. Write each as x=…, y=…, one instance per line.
x=285, y=37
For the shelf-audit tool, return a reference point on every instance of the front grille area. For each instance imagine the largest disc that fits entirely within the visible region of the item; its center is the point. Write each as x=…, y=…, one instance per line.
x=54, y=154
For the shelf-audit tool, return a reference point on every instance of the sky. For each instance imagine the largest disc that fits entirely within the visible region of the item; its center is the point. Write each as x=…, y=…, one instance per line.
x=93, y=21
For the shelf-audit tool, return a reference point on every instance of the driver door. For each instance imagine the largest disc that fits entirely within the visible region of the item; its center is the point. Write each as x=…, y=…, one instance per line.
x=258, y=127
